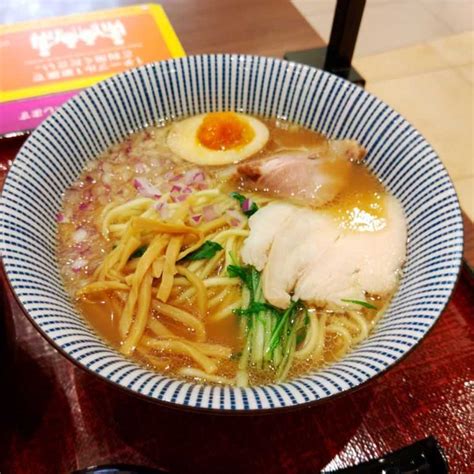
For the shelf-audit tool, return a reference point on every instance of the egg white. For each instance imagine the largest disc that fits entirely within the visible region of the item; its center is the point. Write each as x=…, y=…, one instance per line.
x=182, y=140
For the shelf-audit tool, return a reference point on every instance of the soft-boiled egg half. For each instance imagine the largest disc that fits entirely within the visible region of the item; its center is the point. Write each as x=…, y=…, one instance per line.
x=217, y=138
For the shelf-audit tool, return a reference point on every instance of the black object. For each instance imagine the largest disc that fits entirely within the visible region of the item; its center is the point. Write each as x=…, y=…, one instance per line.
x=337, y=56
x=422, y=457
x=119, y=469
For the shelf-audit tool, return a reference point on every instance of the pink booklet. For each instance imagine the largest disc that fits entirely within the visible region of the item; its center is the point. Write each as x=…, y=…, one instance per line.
x=46, y=62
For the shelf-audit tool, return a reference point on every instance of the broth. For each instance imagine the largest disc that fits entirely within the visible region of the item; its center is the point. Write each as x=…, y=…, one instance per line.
x=111, y=180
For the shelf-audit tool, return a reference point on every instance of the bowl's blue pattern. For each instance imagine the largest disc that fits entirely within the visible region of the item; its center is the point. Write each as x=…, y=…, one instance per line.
x=55, y=154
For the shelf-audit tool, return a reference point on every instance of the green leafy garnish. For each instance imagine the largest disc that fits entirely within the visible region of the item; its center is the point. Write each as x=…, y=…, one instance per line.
x=244, y=273
x=300, y=336
x=233, y=258
x=139, y=252
x=288, y=315
x=246, y=205
x=271, y=334
x=206, y=251
x=361, y=303
x=303, y=331
x=254, y=308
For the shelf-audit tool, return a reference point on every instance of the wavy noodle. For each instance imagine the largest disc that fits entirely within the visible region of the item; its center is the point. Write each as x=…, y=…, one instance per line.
x=183, y=317
x=344, y=335
x=218, y=298
x=182, y=348
x=143, y=309
x=169, y=268
x=225, y=312
x=163, y=300
x=101, y=286
x=220, y=281
x=311, y=340
x=123, y=212
x=362, y=325
x=199, y=375
x=132, y=244
x=321, y=331
x=158, y=363
x=159, y=329
x=198, y=285
x=151, y=253
x=211, y=265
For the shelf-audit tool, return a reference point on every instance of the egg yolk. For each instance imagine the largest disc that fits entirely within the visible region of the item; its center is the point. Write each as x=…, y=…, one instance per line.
x=224, y=131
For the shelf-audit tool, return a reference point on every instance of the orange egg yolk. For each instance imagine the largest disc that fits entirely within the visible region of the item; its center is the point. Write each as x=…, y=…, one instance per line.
x=224, y=131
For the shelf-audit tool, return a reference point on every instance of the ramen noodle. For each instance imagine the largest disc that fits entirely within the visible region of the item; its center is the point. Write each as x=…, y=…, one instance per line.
x=231, y=249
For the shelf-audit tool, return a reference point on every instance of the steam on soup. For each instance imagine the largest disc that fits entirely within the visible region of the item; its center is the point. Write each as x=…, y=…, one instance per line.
x=231, y=249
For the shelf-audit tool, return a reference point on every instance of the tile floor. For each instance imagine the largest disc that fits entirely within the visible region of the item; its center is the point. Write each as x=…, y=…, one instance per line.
x=390, y=24
x=418, y=56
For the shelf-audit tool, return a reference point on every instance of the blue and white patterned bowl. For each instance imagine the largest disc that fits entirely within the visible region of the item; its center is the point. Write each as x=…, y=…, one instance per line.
x=57, y=151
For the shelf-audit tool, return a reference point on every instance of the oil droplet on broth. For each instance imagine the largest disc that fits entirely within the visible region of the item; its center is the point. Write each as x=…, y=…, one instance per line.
x=102, y=314
x=361, y=204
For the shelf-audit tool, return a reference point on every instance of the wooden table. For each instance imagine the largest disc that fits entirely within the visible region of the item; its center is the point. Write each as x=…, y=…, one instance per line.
x=56, y=418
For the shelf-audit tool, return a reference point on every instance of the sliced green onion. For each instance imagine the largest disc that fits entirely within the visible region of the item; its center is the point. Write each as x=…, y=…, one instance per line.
x=206, y=251
x=139, y=252
x=361, y=303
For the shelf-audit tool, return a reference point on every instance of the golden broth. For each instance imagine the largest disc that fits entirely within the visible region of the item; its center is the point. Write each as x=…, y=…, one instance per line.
x=110, y=178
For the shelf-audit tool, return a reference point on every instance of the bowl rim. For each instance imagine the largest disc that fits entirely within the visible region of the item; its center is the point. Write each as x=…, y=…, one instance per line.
x=222, y=411
x=255, y=409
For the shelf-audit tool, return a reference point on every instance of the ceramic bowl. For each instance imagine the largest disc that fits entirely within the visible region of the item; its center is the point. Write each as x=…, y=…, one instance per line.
x=54, y=155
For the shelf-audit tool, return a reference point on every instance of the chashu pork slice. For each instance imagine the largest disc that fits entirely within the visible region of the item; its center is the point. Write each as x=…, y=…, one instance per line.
x=313, y=177
x=305, y=238
x=357, y=263
x=312, y=257
x=263, y=229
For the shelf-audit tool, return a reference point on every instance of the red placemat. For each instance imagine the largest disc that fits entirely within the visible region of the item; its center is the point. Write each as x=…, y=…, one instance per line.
x=56, y=417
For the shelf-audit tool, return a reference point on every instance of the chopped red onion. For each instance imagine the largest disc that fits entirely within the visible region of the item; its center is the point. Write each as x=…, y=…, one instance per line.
x=145, y=188
x=179, y=197
x=175, y=188
x=188, y=177
x=247, y=205
x=196, y=219
x=78, y=264
x=176, y=177
x=83, y=206
x=199, y=177
x=200, y=186
x=209, y=213
x=235, y=217
x=59, y=217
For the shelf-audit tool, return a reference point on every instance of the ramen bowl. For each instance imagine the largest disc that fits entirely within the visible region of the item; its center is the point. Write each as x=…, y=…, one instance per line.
x=55, y=154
